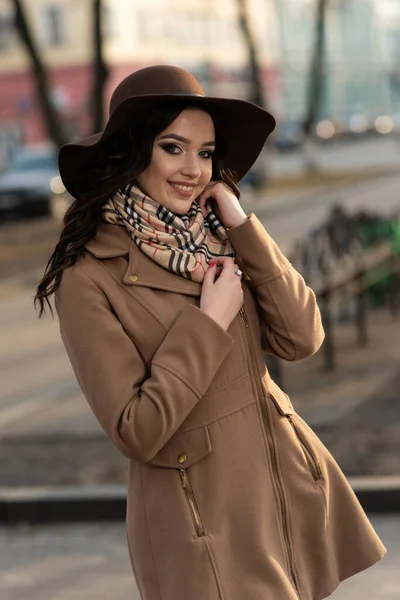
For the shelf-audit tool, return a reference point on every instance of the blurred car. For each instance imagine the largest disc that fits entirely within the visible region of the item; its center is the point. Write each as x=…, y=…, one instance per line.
x=288, y=136
x=29, y=183
x=253, y=178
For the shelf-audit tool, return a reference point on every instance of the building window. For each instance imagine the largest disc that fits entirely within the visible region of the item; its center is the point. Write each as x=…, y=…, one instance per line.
x=54, y=26
x=5, y=31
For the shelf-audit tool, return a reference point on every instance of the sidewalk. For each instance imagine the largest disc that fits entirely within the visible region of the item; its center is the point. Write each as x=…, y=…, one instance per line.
x=90, y=562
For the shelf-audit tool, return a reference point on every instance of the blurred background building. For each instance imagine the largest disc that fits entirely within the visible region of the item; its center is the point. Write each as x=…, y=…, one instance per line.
x=202, y=36
x=361, y=76
x=362, y=55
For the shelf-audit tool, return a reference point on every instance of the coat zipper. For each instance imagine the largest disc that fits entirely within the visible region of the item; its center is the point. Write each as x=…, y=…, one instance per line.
x=314, y=465
x=187, y=486
x=271, y=444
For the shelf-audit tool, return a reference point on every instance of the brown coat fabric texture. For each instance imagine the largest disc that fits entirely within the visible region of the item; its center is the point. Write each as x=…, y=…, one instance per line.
x=231, y=496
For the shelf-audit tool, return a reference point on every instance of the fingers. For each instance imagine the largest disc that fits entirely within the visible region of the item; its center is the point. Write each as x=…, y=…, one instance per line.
x=220, y=266
x=218, y=261
x=228, y=266
x=209, y=276
x=221, y=260
x=225, y=264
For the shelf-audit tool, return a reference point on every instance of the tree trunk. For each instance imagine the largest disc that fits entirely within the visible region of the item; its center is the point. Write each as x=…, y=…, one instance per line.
x=50, y=115
x=100, y=68
x=257, y=94
x=315, y=87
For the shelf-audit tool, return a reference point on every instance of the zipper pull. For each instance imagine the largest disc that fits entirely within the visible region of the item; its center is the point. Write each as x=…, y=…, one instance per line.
x=244, y=317
x=184, y=480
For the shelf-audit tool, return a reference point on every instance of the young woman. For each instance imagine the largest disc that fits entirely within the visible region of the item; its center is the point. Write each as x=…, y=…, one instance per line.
x=167, y=293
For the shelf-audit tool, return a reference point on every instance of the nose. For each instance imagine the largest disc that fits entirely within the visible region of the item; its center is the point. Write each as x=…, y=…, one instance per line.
x=191, y=166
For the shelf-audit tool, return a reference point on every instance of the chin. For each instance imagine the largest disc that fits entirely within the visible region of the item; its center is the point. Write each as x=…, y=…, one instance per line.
x=180, y=211
x=180, y=208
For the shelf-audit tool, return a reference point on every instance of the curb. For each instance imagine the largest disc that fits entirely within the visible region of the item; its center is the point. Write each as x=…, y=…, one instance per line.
x=377, y=494
x=62, y=504
x=108, y=503
x=299, y=181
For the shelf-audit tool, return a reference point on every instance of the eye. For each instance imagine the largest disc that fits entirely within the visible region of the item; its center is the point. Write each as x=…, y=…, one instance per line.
x=171, y=148
x=206, y=154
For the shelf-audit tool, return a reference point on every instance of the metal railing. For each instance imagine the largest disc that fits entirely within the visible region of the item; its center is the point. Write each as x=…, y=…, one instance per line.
x=343, y=261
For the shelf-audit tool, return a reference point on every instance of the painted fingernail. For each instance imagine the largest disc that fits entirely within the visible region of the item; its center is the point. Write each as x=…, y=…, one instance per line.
x=212, y=264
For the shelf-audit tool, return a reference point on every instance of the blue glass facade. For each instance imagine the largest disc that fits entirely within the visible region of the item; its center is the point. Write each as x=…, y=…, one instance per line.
x=362, y=51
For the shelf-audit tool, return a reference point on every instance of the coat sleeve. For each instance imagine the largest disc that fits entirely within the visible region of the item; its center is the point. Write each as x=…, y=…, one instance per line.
x=291, y=326
x=138, y=409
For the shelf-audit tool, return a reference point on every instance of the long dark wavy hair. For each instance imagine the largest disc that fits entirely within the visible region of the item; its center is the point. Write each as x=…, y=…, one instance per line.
x=125, y=155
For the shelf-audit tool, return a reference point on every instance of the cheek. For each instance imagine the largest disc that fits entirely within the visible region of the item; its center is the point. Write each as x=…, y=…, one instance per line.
x=149, y=180
x=206, y=173
x=163, y=167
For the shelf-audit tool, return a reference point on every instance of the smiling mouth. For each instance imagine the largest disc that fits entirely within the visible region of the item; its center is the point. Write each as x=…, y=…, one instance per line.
x=183, y=190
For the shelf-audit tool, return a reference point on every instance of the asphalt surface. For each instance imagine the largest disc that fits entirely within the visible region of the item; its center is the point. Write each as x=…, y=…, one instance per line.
x=370, y=152
x=290, y=218
x=90, y=562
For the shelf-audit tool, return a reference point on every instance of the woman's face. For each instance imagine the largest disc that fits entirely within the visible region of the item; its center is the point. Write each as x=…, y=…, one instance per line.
x=181, y=164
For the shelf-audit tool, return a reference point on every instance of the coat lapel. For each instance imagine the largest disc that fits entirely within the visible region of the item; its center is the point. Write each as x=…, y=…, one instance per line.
x=112, y=241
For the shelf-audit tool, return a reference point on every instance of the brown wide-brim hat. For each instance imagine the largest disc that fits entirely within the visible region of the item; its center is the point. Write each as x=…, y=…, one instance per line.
x=244, y=126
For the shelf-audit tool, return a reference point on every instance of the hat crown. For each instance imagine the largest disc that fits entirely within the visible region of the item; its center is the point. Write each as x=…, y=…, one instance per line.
x=162, y=79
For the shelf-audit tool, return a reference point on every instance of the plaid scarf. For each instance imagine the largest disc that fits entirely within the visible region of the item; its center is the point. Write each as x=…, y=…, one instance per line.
x=183, y=244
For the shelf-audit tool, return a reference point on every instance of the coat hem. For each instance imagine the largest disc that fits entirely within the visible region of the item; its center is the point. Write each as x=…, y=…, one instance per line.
x=351, y=574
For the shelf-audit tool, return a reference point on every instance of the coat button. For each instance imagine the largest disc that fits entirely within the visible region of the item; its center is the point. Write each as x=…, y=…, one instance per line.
x=133, y=278
x=182, y=458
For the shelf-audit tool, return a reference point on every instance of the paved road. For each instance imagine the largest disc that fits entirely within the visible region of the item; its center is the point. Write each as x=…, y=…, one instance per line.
x=372, y=152
x=290, y=217
x=89, y=562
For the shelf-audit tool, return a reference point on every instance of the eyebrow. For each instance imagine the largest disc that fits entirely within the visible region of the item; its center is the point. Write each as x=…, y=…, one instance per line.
x=180, y=138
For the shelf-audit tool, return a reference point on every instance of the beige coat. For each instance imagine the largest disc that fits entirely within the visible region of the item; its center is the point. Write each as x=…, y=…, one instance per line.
x=231, y=495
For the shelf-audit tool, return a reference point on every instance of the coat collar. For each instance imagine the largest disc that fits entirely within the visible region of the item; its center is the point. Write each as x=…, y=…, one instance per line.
x=112, y=241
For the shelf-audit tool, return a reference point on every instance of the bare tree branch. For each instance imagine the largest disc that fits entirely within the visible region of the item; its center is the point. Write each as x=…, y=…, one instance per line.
x=257, y=94
x=317, y=66
x=101, y=71
x=49, y=112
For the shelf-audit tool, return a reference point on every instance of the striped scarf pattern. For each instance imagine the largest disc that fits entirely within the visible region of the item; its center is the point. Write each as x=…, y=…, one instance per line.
x=183, y=244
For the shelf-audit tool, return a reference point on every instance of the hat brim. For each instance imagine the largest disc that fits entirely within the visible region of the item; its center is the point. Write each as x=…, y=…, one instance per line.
x=244, y=126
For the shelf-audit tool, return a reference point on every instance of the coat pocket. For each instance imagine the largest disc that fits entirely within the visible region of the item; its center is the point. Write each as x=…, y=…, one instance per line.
x=285, y=408
x=311, y=459
x=182, y=451
x=191, y=500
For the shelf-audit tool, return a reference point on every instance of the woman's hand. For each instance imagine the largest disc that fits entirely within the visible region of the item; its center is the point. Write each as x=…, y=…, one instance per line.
x=228, y=206
x=222, y=298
